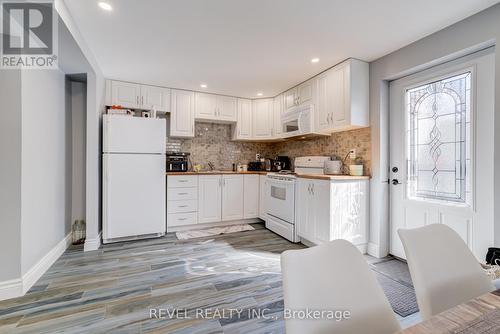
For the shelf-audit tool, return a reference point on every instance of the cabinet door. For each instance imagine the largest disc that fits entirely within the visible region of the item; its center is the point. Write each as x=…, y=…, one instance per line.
x=155, y=97
x=339, y=90
x=251, y=196
x=226, y=108
x=290, y=98
x=209, y=199
x=277, y=111
x=182, y=113
x=205, y=106
x=263, y=191
x=303, y=210
x=322, y=209
x=262, y=118
x=232, y=197
x=305, y=92
x=324, y=102
x=350, y=211
x=125, y=94
x=245, y=119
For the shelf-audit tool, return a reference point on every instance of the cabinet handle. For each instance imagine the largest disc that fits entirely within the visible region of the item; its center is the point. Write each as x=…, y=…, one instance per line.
x=183, y=180
x=312, y=188
x=142, y=100
x=137, y=99
x=182, y=206
x=182, y=219
x=182, y=193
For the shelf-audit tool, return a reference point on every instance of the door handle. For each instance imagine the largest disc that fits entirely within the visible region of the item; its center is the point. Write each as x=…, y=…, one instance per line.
x=395, y=182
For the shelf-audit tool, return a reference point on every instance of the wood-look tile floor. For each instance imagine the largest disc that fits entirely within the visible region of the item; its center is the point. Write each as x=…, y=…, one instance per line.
x=112, y=290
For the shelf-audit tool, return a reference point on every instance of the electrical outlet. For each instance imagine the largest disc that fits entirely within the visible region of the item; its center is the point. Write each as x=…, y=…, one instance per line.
x=257, y=157
x=353, y=153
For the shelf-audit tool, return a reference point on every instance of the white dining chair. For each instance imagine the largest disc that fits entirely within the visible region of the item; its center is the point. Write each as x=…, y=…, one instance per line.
x=333, y=277
x=444, y=271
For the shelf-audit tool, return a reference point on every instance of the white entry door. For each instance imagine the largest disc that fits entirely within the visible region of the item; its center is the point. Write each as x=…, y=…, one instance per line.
x=441, y=151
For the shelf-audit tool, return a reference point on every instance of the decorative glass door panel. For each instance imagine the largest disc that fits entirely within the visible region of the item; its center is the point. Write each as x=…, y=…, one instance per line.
x=438, y=140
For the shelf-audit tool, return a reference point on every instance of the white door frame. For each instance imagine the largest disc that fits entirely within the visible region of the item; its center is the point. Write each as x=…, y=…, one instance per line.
x=477, y=223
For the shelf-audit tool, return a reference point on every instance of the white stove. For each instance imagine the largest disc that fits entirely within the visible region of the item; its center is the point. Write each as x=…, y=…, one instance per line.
x=281, y=196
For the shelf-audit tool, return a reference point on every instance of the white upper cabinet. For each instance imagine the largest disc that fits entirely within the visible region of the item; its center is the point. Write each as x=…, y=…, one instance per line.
x=227, y=108
x=244, y=126
x=215, y=107
x=155, y=97
x=135, y=96
x=305, y=92
x=342, y=97
x=205, y=106
x=232, y=197
x=262, y=118
x=290, y=98
x=300, y=95
x=277, y=111
x=125, y=94
x=182, y=113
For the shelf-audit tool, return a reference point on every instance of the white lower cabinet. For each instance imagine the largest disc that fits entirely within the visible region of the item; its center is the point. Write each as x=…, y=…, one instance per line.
x=328, y=210
x=232, y=197
x=251, y=196
x=182, y=201
x=205, y=199
x=210, y=199
x=262, y=196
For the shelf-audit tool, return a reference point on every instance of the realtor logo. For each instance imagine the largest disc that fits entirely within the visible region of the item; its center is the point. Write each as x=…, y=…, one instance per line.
x=28, y=35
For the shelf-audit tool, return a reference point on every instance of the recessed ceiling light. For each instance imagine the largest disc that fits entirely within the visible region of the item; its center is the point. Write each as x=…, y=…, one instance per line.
x=105, y=5
x=314, y=60
x=203, y=85
x=259, y=94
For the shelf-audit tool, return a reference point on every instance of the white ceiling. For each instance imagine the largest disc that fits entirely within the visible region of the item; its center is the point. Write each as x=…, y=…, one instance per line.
x=241, y=47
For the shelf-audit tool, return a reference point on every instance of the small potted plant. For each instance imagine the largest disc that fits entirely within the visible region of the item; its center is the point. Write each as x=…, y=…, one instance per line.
x=356, y=169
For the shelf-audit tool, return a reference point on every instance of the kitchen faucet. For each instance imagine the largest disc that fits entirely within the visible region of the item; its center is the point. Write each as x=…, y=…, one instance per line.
x=211, y=165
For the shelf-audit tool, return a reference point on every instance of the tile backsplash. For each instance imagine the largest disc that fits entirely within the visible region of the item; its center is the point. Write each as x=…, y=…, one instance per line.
x=338, y=144
x=212, y=142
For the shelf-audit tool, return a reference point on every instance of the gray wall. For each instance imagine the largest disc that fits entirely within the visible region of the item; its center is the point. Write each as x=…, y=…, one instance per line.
x=10, y=174
x=82, y=60
x=78, y=122
x=471, y=34
x=44, y=196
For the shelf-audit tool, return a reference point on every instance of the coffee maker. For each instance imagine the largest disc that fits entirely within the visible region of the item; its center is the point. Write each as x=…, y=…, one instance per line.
x=282, y=162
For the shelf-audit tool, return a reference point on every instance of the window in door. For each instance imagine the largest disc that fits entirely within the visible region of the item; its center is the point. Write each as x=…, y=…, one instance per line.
x=439, y=140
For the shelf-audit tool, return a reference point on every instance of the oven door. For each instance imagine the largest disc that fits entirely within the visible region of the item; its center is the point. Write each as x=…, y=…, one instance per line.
x=281, y=199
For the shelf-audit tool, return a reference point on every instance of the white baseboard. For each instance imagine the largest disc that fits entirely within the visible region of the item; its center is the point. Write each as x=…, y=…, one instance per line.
x=374, y=250
x=92, y=244
x=11, y=289
x=35, y=272
x=18, y=287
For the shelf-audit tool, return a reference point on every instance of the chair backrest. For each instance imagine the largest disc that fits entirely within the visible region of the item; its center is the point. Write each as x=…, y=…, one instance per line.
x=333, y=277
x=444, y=271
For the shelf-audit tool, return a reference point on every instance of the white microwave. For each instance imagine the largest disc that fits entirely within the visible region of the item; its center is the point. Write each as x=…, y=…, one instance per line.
x=298, y=121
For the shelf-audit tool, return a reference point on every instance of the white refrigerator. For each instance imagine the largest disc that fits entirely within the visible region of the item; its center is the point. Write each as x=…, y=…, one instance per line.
x=134, y=182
